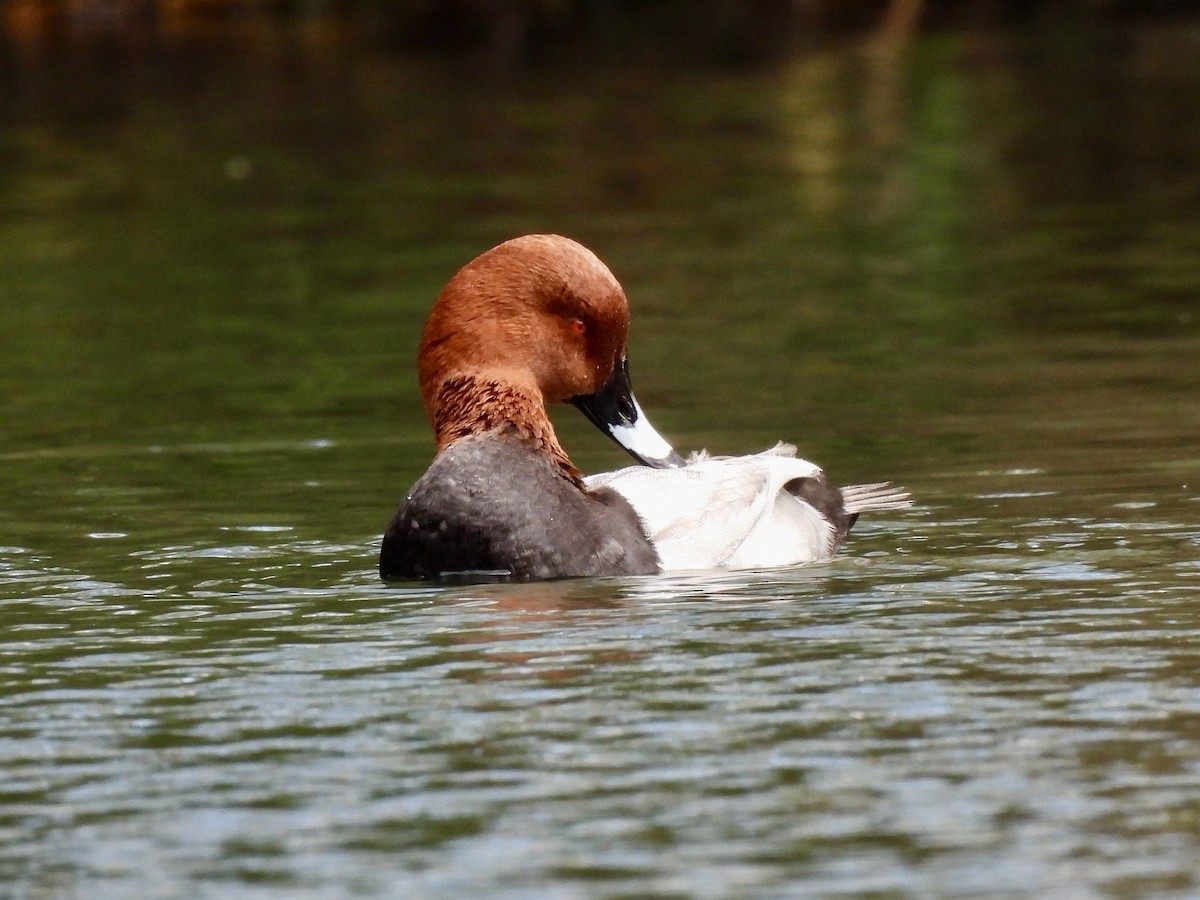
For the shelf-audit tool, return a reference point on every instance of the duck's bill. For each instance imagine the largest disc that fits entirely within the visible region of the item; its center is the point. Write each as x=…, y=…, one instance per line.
x=614, y=411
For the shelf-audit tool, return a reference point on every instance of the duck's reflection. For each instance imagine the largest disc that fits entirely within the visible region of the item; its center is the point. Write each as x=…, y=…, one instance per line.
x=527, y=613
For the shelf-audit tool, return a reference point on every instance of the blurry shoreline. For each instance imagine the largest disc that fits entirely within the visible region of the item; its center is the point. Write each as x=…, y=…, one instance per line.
x=510, y=35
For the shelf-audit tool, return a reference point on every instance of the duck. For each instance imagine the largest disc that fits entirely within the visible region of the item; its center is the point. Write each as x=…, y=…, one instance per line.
x=540, y=319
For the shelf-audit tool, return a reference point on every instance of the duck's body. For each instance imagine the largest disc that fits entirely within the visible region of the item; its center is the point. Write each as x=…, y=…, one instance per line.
x=538, y=320
x=743, y=512
x=489, y=506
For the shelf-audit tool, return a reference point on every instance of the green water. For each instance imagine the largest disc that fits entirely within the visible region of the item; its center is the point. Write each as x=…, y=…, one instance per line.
x=971, y=266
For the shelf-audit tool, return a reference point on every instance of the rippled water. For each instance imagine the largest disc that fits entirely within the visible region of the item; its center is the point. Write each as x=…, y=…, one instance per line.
x=974, y=714
x=957, y=273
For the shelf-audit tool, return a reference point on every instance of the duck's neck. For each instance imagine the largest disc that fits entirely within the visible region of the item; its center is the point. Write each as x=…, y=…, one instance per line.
x=470, y=404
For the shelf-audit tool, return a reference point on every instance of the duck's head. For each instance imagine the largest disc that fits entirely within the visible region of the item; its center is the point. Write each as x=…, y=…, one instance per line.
x=538, y=317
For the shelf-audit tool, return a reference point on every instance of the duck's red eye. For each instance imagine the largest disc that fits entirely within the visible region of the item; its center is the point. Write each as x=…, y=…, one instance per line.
x=579, y=326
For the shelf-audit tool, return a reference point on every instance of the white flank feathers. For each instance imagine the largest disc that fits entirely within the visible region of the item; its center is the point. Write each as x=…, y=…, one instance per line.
x=731, y=512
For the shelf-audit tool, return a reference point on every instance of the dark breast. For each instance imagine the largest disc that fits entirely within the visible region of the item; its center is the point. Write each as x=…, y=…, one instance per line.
x=489, y=504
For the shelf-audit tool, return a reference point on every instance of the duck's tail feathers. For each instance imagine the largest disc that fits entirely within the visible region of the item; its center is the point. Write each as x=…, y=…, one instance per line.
x=860, y=498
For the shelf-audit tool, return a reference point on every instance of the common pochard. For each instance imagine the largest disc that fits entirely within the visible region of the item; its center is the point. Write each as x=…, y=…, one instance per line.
x=540, y=319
